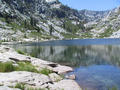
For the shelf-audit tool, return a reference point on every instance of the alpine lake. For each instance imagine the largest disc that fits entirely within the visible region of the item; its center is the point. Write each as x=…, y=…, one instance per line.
x=96, y=62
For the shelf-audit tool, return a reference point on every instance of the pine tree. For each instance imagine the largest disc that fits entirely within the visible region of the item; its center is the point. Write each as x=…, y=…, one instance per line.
x=25, y=24
x=31, y=21
x=51, y=29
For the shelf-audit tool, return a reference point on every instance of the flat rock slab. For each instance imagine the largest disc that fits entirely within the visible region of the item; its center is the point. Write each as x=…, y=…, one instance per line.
x=65, y=85
x=7, y=88
x=29, y=78
x=62, y=69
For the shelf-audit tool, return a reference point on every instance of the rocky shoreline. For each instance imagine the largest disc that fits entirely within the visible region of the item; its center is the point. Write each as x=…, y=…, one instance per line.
x=34, y=80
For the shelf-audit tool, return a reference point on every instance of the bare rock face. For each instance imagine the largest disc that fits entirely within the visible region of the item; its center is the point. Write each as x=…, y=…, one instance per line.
x=34, y=79
x=65, y=85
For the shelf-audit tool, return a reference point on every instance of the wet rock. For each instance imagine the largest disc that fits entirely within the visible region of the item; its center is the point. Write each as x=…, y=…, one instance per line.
x=65, y=85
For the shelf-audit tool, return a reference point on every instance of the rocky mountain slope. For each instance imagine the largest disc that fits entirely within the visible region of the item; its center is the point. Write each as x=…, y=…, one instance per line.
x=30, y=20
x=107, y=27
x=90, y=16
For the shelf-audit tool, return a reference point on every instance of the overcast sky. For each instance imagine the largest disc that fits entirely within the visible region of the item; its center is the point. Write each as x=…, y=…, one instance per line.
x=91, y=4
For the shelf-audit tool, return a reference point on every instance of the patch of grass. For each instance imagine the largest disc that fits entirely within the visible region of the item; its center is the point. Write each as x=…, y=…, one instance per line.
x=6, y=67
x=26, y=66
x=45, y=71
x=22, y=66
x=35, y=89
x=23, y=87
x=20, y=52
x=20, y=86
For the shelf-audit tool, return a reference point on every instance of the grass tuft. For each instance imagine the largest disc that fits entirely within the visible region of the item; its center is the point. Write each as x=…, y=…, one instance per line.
x=45, y=71
x=20, y=86
x=6, y=67
x=26, y=66
x=20, y=52
x=22, y=66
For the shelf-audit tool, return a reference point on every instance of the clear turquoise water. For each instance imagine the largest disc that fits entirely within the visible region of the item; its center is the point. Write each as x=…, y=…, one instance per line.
x=96, y=62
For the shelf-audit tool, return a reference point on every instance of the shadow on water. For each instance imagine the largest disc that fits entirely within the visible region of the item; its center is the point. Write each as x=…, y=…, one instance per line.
x=96, y=66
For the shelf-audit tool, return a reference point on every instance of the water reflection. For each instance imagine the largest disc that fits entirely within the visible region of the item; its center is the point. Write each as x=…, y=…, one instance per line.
x=96, y=66
x=76, y=56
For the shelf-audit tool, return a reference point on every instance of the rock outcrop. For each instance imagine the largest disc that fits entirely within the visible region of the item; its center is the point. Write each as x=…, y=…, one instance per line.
x=52, y=81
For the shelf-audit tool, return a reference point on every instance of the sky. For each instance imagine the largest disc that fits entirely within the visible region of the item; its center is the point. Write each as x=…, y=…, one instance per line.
x=96, y=5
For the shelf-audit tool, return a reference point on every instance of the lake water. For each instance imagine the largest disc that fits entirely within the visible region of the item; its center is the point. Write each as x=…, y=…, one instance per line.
x=96, y=62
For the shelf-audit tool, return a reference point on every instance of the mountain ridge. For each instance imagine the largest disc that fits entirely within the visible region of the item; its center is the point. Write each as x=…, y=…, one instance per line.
x=45, y=19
